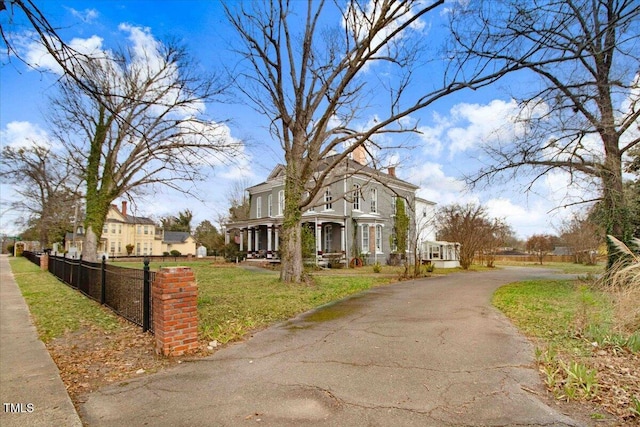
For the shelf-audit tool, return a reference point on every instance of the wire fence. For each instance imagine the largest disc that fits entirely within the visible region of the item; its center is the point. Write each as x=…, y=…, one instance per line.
x=127, y=291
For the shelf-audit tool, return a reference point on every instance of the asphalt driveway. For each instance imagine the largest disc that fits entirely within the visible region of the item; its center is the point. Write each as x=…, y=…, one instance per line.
x=430, y=352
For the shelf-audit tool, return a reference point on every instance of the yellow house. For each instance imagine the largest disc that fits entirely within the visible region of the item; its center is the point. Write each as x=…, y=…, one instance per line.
x=140, y=234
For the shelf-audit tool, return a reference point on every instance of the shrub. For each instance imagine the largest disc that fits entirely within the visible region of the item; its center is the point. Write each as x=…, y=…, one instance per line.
x=175, y=252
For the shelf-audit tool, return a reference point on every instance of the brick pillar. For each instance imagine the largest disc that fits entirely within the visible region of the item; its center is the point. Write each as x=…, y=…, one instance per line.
x=175, y=311
x=44, y=262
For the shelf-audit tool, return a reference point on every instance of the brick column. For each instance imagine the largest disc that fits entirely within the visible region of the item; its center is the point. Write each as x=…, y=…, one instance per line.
x=175, y=311
x=44, y=262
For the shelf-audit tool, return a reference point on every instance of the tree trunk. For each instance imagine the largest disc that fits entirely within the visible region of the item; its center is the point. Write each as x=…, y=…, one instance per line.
x=616, y=219
x=292, y=264
x=90, y=246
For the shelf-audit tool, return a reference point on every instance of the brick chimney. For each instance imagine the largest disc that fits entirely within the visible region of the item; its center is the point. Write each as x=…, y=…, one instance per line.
x=392, y=171
x=359, y=155
x=124, y=208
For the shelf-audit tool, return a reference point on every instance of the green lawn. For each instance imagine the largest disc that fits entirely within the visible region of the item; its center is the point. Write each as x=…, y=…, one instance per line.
x=232, y=301
x=579, y=347
x=55, y=307
x=554, y=311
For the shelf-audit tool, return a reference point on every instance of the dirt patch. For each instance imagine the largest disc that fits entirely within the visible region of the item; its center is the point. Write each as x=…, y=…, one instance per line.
x=618, y=379
x=92, y=357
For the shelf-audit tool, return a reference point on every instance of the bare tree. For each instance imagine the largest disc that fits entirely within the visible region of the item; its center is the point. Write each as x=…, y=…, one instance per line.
x=469, y=225
x=540, y=245
x=46, y=188
x=239, y=203
x=582, y=115
x=583, y=237
x=495, y=238
x=313, y=82
x=143, y=126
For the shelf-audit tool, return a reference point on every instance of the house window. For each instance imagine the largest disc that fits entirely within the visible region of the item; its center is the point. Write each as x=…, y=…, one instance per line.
x=356, y=197
x=269, y=209
x=144, y=250
x=328, y=237
x=365, y=238
x=113, y=247
x=259, y=207
x=105, y=229
x=113, y=229
x=378, y=238
x=139, y=231
x=138, y=248
x=146, y=229
x=374, y=200
x=119, y=229
x=281, y=202
x=327, y=200
x=119, y=247
x=311, y=207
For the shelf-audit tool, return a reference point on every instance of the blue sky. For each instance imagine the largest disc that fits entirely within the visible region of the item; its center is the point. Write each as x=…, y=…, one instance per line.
x=451, y=130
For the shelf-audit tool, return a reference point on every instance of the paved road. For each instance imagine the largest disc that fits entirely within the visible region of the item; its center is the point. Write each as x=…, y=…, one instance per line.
x=31, y=391
x=426, y=353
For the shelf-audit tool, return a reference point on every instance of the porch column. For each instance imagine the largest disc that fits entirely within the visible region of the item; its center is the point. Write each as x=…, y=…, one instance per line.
x=249, y=242
x=343, y=245
x=241, y=240
x=277, y=239
x=269, y=231
x=226, y=237
x=319, y=237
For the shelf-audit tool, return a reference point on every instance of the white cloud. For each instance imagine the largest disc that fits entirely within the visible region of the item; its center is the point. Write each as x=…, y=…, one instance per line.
x=87, y=15
x=524, y=221
x=36, y=54
x=435, y=185
x=24, y=134
x=468, y=126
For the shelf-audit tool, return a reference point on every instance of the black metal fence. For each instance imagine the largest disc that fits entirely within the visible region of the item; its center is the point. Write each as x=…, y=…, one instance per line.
x=127, y=291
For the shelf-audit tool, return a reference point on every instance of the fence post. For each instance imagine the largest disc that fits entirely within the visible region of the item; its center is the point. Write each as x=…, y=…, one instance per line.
x=44, y=262
x=146, y=297
x=175, y=311
x=78, y=276
x=103, y=274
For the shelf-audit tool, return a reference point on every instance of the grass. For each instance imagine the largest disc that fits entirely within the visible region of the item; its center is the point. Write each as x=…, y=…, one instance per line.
x=233, y=301
x=56, y=308
x=572, y=324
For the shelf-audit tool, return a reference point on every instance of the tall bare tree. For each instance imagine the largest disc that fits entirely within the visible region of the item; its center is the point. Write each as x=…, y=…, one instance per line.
x=581, y=116
x=143, y=126
x=471, y=226
x=46, y=187
x=315, y=83
x=583, y=236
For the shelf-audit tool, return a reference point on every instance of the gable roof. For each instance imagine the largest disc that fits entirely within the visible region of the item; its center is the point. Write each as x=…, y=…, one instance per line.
x=349, y=165
x=176, y=236
x=128, y=219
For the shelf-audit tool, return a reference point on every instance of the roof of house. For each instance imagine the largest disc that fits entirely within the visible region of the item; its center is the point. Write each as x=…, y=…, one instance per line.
x=350, y=165
x=175, y=236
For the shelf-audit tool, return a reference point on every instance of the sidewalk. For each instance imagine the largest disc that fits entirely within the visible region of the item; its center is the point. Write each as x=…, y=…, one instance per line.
x=31, y=391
